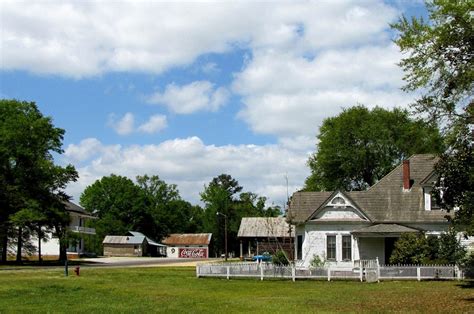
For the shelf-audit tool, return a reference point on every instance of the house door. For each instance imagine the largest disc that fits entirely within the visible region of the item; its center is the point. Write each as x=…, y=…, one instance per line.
x=389, y=246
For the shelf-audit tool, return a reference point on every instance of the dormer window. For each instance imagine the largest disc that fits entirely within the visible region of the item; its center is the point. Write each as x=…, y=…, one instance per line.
x=429, y=201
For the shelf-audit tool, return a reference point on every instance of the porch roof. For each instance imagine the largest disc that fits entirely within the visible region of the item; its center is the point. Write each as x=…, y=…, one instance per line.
x=383, y=230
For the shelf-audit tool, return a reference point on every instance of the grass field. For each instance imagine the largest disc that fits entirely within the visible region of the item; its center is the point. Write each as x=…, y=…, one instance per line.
x=178, y=290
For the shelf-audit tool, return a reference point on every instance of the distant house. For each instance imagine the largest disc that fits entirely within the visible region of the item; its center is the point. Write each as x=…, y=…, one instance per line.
x=132, y=244
x=265, y=234
x=341, y=227
x=79, y=218
x=188, y=245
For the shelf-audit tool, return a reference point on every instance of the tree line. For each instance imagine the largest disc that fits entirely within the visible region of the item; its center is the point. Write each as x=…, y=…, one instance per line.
x=155, y=208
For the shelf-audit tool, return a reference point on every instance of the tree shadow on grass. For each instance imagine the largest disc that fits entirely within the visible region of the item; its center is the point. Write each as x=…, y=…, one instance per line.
x=467, y=284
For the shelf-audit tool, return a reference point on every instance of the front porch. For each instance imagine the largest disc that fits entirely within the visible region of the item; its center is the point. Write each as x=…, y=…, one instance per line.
x=378, y=241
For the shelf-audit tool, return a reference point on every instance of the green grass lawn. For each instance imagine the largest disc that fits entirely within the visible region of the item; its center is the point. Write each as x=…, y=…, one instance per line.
x=178, y=290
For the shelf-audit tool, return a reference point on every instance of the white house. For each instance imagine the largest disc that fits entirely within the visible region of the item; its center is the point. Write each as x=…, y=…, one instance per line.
x=341, y=227
x=77, y=224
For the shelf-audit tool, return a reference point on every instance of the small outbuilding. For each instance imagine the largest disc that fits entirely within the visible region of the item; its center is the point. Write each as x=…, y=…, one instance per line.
x=132, y=244
x=188, y=245
x=265, y=234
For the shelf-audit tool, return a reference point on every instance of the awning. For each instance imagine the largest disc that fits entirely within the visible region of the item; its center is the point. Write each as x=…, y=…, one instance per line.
x=383, y=230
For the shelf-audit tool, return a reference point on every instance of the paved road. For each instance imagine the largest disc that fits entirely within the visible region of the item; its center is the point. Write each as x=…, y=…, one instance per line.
x=141, y=261
x=120, y=262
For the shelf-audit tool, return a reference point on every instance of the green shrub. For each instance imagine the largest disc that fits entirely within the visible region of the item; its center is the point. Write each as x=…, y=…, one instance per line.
x=280, y=258
x=317, y=261
x=467, y=266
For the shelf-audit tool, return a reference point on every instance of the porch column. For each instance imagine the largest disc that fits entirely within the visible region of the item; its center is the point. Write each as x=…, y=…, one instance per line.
x=241, y=251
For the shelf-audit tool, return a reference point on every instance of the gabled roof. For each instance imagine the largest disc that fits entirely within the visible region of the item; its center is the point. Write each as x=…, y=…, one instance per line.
x=385, y=201
x=139, y=235
x=329, y=199
x=111, y=239
x=188, y=239
x=133, y=238
x=303, y=204
x=266, y=227
x=74, y=208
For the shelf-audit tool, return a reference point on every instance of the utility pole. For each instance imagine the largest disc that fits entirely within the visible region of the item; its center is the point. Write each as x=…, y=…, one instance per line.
x=225, y=228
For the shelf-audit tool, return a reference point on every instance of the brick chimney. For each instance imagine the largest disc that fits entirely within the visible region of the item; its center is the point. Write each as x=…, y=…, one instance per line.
x=406, y=175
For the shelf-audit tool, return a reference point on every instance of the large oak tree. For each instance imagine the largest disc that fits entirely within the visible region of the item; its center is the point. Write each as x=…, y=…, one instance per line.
x=359, y=146
x=31, y=185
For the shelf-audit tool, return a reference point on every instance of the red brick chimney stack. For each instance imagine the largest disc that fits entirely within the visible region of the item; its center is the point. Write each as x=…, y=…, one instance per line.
x=406, y=175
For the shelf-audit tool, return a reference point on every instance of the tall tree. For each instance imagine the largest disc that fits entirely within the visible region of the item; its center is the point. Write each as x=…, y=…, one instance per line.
x=359, y=146
x=439, y=64
x=222, y=196
x=169, y=213
x=118, y=204
x=29, y=179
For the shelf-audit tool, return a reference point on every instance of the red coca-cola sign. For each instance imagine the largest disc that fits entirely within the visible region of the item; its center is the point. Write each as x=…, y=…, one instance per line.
x=192, y=253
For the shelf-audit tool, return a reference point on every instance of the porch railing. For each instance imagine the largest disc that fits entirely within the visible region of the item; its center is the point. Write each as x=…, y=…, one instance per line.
x=82, y=229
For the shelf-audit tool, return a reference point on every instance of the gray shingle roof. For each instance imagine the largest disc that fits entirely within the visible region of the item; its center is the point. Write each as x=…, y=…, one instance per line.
x=385, y=201
x=384, y=228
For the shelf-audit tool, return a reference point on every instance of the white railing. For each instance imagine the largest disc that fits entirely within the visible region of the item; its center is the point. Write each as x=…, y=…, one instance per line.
x=366, y=263
x=82, y=229
x=384, y=272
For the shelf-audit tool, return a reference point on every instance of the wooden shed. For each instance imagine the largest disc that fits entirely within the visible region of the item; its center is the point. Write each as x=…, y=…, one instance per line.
x=265, y=234
x=132, y=244
x=188, y=245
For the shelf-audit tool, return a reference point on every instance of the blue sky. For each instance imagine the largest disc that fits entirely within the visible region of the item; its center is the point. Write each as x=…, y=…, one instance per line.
x=191, y=90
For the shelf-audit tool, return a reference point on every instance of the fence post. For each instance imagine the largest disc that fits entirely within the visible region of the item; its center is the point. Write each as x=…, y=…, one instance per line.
x=378, y=269
x=329, y=273
x=228, y=272
x=293, y=272
x=261, y=272
x=458, y=272
x=197, y=270
x=418, y=273
x=361, y=276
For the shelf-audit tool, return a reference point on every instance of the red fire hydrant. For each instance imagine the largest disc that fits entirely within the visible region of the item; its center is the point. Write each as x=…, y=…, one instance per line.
x=77, y=270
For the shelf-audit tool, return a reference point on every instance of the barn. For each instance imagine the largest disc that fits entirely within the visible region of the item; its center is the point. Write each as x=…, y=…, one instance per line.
x=265, y=234
x=188, y=245
x=132, y=244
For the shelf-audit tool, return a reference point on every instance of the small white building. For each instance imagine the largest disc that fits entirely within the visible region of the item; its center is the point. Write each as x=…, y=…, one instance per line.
x=188, y=245
x=340, y=227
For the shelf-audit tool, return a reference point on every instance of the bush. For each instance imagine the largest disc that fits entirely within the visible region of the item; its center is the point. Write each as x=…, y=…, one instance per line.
x=414, y=248
x=468, y=266
x=411, y=248
x=280, y=258
x=317, y=261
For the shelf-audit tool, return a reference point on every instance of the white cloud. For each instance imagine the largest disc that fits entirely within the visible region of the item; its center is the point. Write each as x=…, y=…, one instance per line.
x=80, y=39
x=84, y=150
x=196, y=96
x=191, y=164
x=289, y=95
x=124, y=125
x=155, y=124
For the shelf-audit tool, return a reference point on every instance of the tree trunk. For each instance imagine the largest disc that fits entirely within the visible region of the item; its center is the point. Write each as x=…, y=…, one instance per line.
x=61, y=234
x=20, y=245
x=62, y=251
x=40, y=260
x=4, y=247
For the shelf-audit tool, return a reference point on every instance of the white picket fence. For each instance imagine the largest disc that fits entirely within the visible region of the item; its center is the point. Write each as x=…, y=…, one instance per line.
x=373, y=273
